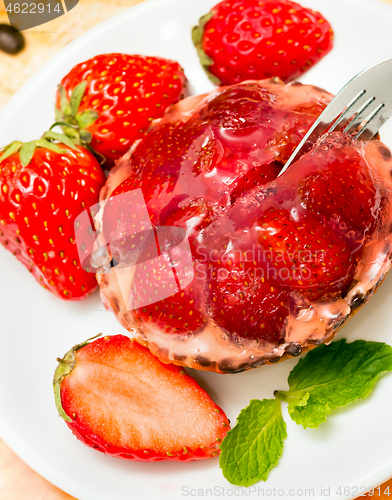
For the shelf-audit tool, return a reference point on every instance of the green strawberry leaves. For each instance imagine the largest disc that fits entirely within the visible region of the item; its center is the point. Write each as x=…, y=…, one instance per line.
x=64, y=104
x=76, y=98
x=333, y=376
x=74, y=125
x=86, y=118
x=44, y=143
x=26, y=150
x=73, y=122
x=197, y=31
x=10, y=150
x=26, y=153
x=253, y=447
x=61, y=138
x=328, y=377
x=197, y=39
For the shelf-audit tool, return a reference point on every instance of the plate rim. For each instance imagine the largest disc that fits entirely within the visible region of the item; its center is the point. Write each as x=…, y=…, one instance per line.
x=9, y=436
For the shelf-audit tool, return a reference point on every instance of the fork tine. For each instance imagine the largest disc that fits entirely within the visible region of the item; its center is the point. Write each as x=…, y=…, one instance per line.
x=374, y=80
x=335, y=119
x=359, y=117
x=373, y=122
x=353, y=107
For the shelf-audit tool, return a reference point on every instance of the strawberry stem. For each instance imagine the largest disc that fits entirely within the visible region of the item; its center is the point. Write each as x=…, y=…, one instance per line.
x=74, y=124
x=65, y=367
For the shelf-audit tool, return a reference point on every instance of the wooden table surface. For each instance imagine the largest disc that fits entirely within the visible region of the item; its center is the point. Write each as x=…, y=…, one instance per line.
x=17, y=480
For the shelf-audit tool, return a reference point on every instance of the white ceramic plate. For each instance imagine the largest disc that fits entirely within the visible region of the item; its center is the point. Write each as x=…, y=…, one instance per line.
x=349, y=454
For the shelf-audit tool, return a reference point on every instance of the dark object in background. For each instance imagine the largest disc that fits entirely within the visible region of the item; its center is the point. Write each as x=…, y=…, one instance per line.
x=70, y=4
x=33, y=14
x=10, y=41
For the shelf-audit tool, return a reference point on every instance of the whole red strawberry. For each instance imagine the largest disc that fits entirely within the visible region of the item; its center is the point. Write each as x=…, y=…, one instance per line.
x=121, y=400
x=119, y=96
x=43, y=188
x=252, y=40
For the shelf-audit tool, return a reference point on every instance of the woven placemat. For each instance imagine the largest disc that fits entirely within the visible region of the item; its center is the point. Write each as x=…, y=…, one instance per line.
x=44, y=41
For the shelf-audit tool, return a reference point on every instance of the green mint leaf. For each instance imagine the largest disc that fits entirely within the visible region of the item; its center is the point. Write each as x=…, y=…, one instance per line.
x=76, y=97
x=26, y=153
x=311, y=415
x=332, y=376
x=10, y=150
x=295, y=398
x=253, y=447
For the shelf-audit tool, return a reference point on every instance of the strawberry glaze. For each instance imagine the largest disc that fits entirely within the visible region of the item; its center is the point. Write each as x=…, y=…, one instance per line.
x=234, y=227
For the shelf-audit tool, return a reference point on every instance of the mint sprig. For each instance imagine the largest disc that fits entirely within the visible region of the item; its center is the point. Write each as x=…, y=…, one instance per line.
x=328, y=377
x=333, y=376
x=255, y=444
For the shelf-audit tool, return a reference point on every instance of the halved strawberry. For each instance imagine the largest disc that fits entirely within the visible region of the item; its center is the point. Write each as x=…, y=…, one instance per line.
x=121, y=400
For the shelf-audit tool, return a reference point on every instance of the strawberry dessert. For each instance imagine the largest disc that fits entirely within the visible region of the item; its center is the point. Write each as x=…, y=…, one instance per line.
x=216, y=263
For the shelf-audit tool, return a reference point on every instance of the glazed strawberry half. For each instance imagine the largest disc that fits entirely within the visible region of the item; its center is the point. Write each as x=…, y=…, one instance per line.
x=110, y=100
x=44, y=186
x=119, y=399
x=275, y=264
x=251, y=40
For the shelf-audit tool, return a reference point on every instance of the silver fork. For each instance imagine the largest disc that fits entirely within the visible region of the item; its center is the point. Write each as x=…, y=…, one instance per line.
x=360, y=108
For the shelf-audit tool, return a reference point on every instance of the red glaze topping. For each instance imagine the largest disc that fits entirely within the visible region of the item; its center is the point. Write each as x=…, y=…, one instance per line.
x=277, y=262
